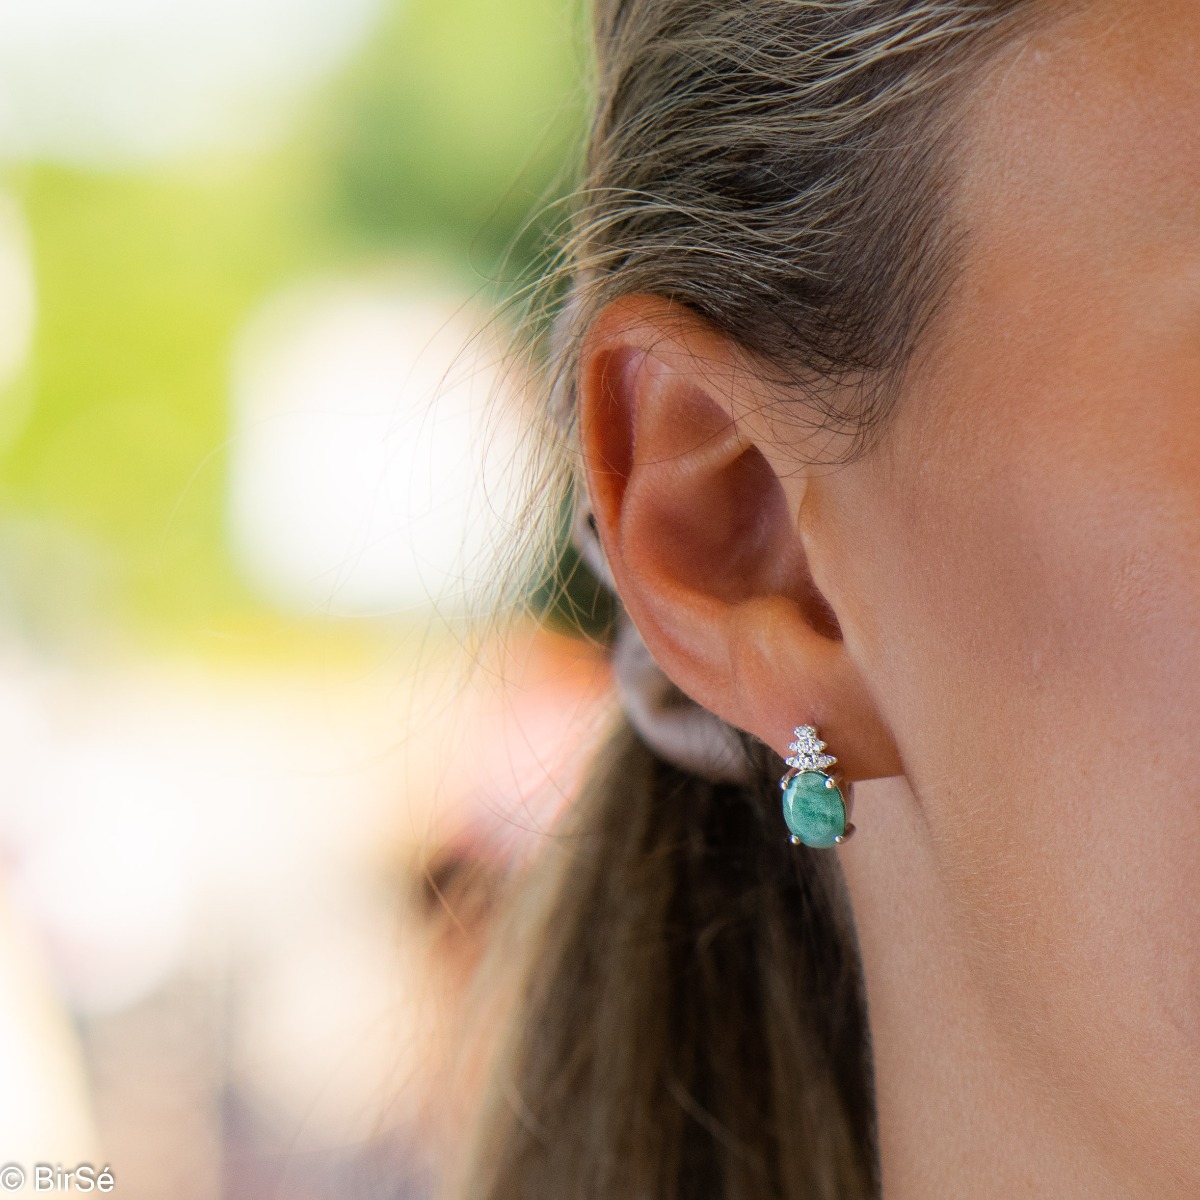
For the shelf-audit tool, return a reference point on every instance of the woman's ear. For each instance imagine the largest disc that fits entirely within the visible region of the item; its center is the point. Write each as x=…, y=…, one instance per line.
x=697, y=505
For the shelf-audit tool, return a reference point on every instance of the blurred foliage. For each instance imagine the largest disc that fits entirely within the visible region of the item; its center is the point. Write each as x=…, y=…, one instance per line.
x=455, y=123
x=142, y=282
x=459, y=149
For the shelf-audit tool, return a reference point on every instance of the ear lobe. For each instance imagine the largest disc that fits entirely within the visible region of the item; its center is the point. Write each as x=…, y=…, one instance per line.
x=698, y=529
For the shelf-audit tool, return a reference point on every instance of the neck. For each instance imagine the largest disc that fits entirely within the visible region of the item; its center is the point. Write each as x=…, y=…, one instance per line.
x=956, y=1115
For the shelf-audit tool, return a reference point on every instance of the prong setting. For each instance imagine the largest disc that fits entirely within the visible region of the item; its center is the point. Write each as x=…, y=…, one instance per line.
x=814, y=818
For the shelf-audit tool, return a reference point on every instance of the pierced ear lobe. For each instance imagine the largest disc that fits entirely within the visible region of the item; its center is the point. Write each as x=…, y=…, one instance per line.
x=698, y=530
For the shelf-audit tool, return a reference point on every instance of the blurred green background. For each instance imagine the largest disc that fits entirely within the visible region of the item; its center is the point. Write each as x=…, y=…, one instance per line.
x=440, y=137
x=257, y=447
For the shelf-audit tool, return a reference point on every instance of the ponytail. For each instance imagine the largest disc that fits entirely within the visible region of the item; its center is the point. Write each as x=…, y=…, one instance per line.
x=691, y=1022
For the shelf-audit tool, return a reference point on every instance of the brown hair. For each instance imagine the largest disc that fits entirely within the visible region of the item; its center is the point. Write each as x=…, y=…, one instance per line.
x=691, y=1022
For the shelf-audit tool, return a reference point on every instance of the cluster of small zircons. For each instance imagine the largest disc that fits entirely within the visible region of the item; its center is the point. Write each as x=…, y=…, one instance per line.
x=807, y=751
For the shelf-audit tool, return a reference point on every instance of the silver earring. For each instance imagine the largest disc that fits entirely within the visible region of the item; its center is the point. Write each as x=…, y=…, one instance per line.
x=814, y=802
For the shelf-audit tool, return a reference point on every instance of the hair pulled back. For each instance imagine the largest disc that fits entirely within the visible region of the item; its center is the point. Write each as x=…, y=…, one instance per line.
x=691, y=1023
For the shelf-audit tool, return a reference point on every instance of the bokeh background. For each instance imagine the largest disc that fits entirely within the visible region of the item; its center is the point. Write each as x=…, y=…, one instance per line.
x=264, y=774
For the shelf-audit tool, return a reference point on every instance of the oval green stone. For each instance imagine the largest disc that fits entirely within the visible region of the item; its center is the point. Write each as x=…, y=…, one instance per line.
x=814, y=809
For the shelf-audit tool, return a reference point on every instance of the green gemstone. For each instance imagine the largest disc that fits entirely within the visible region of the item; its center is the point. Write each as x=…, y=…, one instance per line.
x=814, y=809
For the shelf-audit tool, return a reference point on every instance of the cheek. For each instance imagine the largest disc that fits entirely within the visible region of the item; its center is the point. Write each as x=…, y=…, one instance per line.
x=1021, y=582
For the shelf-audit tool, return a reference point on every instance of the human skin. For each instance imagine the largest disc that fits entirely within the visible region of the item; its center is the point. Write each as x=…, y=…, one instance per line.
x=1015, y=574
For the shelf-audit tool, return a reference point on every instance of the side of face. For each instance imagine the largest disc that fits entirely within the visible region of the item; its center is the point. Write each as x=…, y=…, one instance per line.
x=1016, y=570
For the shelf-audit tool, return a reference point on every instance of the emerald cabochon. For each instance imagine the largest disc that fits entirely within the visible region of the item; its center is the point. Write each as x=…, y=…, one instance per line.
x=814, y=809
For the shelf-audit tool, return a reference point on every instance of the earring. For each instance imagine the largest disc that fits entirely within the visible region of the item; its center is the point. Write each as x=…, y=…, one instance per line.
x=814, y=805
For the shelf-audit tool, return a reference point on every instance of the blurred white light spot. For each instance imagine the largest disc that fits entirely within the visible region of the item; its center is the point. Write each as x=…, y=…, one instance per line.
x=17, y=306
x=102, y=81
x=376, y=464
x=102, y=867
